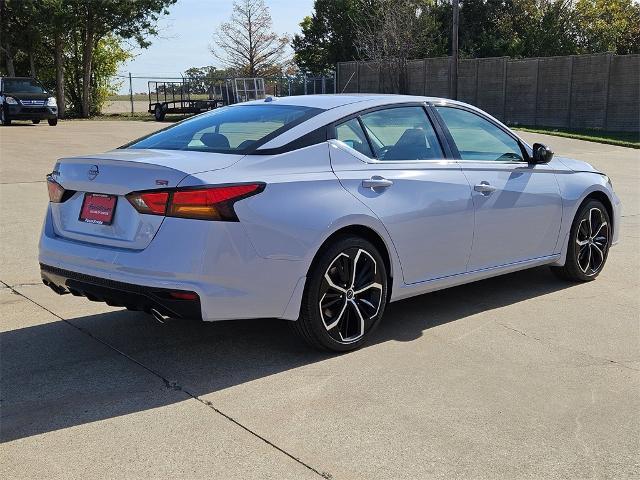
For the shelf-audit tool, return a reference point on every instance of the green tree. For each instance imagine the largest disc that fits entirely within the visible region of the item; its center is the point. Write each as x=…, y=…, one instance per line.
x=64, y=36
x=327, y=36
x=126, y=19
x=607, y=26
x=330, y=34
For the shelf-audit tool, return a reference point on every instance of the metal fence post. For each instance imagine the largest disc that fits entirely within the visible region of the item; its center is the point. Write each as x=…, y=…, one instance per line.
x=131, y=93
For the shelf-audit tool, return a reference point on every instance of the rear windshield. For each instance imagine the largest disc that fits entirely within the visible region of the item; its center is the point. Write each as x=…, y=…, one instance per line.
x=237, y=129
x=21, y=85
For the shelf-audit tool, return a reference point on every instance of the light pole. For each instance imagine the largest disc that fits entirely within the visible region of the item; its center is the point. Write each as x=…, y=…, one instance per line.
x=454, y=50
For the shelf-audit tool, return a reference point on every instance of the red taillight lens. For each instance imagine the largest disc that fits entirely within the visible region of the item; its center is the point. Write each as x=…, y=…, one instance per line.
x=184, y=295
x=154, y=203
x=56, y=192
x=210, y=203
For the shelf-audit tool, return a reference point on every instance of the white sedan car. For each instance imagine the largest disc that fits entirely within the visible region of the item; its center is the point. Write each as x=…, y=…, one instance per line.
x=319, y=210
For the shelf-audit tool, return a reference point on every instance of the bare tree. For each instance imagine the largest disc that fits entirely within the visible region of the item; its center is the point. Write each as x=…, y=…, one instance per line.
x=246, y=42
x=387, y=35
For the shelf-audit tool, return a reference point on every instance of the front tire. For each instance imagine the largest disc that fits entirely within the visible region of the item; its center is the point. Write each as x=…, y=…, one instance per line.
x=4, y=118
x=345, y=296
x=35, y=122
x=52, y=122
x=589, y=243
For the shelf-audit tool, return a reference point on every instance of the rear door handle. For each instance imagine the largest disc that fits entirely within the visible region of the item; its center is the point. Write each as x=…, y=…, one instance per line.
x=485, y=188
x=377, y=182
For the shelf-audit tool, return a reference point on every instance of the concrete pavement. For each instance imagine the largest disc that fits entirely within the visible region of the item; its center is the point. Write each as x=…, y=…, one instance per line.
x=521, y=376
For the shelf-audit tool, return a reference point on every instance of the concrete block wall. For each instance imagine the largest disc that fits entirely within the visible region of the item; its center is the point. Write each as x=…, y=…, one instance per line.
x=578, y=91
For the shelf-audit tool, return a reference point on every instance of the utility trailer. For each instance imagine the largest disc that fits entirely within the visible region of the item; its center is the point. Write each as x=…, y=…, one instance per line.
x=197, y=96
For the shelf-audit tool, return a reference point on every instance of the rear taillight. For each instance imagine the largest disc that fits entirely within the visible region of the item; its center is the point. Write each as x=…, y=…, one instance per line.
x=57, y=193
x=201, y=203
x=154, y=203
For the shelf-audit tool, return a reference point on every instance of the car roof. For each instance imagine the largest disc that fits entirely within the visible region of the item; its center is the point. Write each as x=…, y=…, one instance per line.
x=334, y=100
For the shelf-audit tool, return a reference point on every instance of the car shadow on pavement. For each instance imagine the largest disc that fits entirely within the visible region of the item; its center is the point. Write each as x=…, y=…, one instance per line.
x=55, y=376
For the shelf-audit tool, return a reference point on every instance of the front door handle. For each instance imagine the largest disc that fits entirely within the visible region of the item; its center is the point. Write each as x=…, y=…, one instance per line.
x=377, y=182
x=485, y=188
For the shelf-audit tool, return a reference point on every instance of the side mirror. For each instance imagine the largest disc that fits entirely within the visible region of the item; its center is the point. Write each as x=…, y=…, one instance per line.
x=541, y=153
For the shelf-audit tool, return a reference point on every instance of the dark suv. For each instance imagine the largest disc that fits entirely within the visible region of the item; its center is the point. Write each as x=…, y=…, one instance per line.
x=24, y=98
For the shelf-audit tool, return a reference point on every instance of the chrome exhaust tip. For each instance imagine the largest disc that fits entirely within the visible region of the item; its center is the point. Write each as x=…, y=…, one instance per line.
x=159, y=316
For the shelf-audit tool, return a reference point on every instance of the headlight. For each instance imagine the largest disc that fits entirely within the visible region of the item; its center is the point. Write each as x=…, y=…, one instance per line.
x=51, y=102
x=609, y=182
x=11, y=100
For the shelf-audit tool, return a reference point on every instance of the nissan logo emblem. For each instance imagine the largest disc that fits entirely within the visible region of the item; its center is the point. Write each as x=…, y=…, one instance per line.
x=93, y=172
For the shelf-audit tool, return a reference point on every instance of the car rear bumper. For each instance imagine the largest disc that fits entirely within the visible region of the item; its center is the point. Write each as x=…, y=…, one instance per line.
x=120, y=294
x=215, y=260
x=19, y=112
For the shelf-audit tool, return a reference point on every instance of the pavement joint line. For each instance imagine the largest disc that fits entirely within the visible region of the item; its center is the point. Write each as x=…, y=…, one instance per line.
x=173, y=385
x=537, y=339
x=19, y=183
x=25, y=284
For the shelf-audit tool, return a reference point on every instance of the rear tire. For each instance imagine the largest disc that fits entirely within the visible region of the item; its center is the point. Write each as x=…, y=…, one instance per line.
x=35, y=122
x=589, y=243
x=4, y=118
x=344, y=297
x=159, y=112
x=52, y=122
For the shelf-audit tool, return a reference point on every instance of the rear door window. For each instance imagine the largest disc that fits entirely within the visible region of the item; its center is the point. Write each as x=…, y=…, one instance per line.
x=351, y=134
x=402, y=133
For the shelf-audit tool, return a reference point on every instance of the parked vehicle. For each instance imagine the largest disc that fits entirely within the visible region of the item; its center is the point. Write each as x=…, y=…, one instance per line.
x=24, y=98
x=320, y=210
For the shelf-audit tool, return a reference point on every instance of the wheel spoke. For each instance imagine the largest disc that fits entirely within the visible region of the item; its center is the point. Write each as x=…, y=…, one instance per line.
x=336, y=267
x=591, y=220
x=371, y=285
x=586, y=252
x=359, y=322
x=600, y=254
x=583, y=231
x=602, y=225
x=337, y=319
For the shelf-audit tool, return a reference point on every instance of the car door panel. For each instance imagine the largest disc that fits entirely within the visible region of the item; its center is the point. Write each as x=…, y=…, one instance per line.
x=520, y=219
x=427, y=210
x=518, y=207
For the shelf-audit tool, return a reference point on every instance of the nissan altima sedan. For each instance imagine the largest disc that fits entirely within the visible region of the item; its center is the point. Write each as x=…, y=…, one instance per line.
x=320, y=210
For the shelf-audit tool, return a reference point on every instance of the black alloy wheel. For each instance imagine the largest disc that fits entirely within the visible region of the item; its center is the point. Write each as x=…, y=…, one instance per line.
x=345, y=296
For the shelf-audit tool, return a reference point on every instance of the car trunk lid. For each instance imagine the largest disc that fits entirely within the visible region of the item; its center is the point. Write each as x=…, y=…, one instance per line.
x=113, y=175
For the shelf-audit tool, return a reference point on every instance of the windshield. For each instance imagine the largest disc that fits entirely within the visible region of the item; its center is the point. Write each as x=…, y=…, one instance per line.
x=22, y=85
x=237, y=129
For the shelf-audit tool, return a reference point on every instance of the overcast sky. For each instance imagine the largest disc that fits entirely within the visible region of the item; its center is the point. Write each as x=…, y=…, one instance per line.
x=186, y=34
